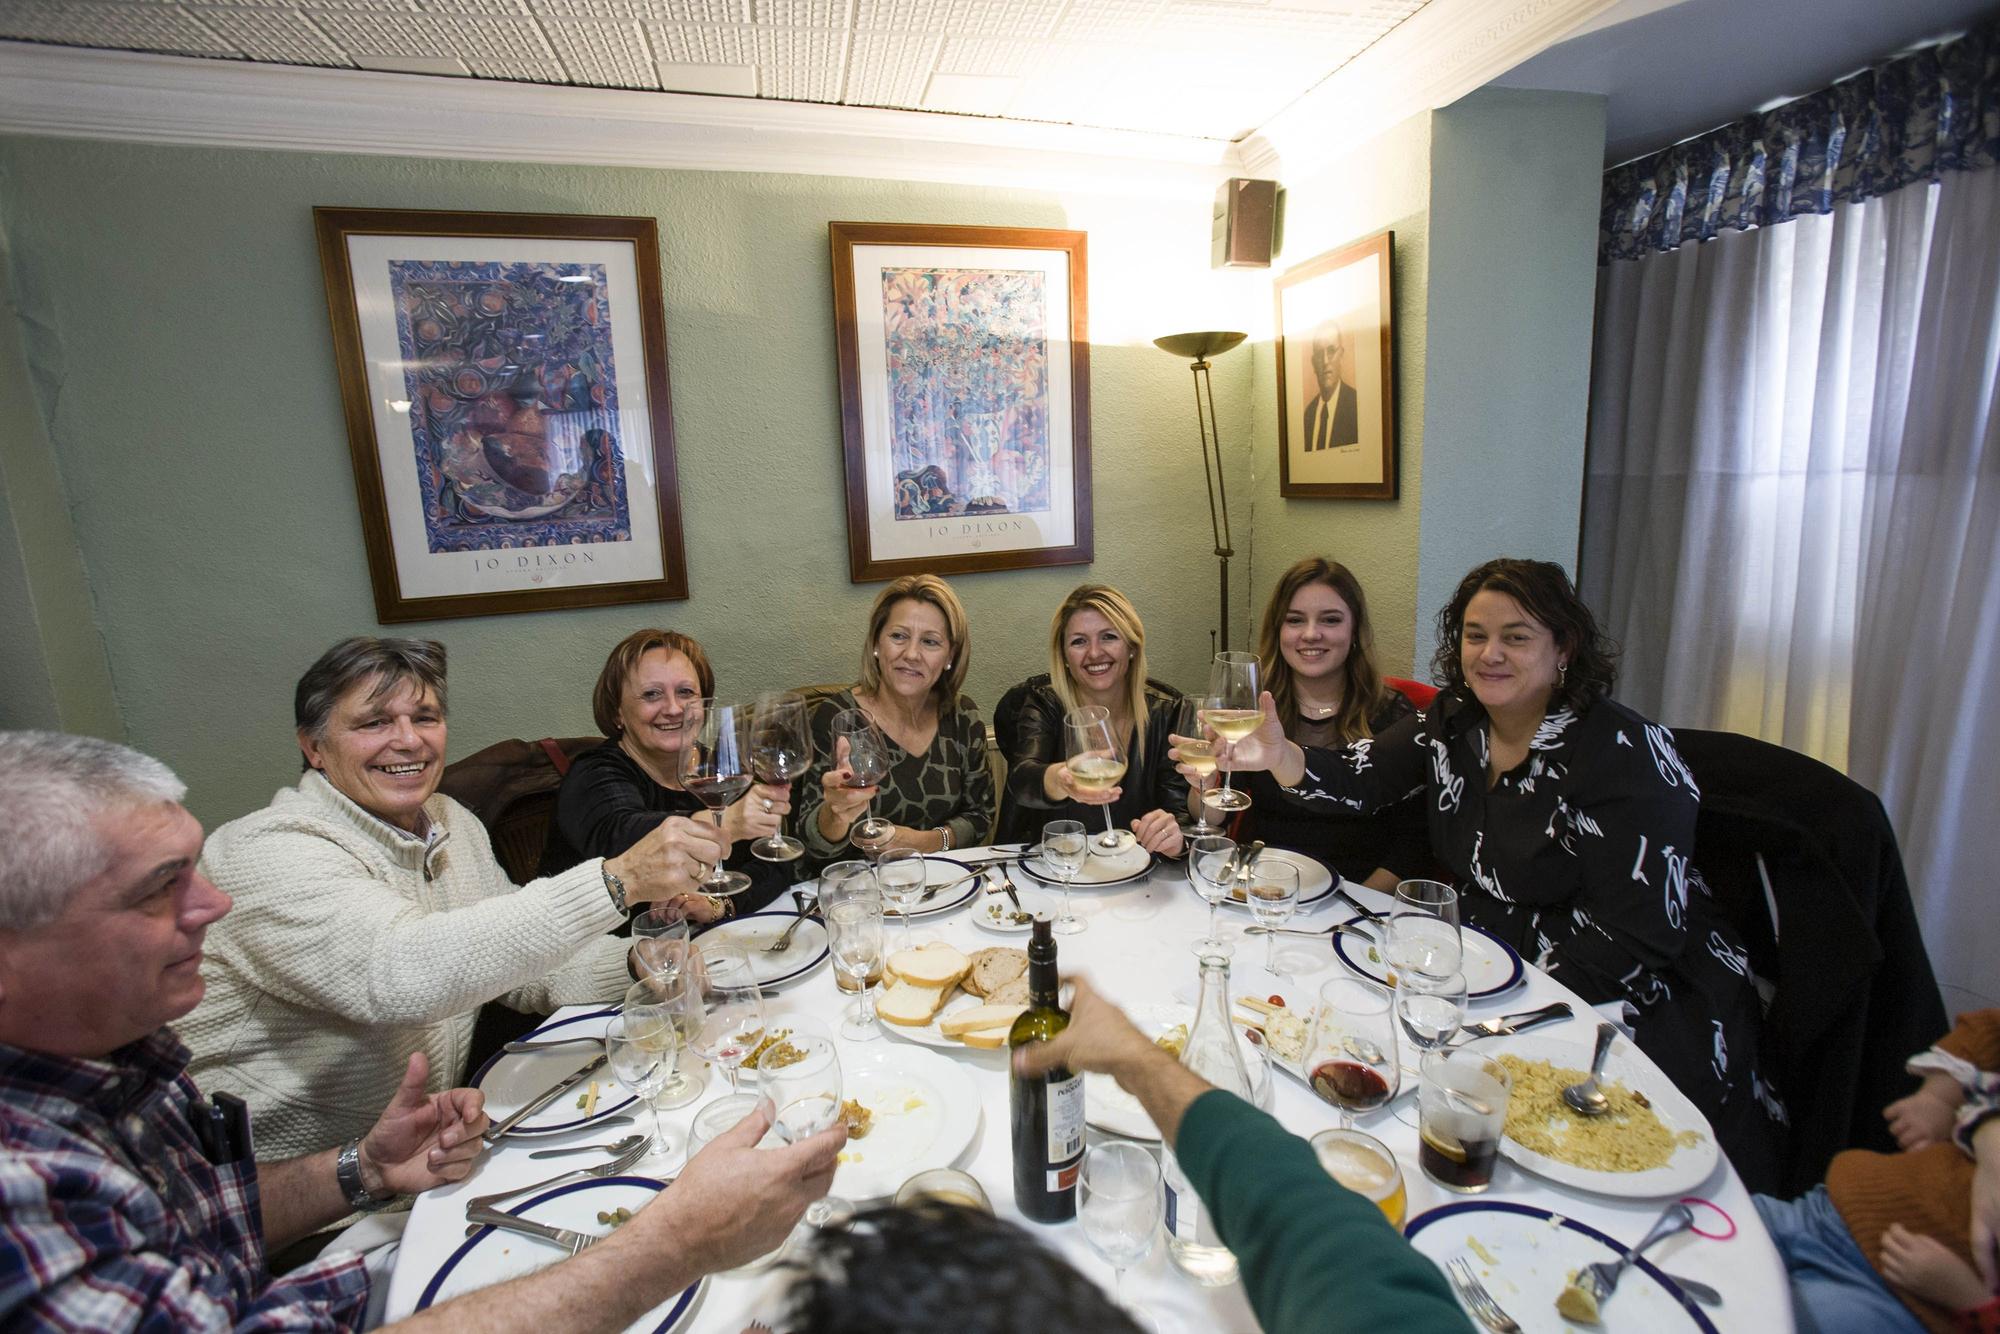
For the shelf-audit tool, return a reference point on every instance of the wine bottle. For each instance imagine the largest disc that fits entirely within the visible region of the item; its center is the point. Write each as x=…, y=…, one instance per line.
x=1045, y=1111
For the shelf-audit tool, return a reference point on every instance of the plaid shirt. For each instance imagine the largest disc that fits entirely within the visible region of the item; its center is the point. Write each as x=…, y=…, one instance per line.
x=111, y=1218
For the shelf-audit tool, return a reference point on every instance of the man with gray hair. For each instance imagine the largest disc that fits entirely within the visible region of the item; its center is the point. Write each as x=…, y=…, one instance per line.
x=128, y=1201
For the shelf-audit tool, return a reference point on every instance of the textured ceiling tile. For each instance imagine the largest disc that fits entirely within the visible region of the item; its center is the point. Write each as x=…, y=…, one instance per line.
x=307, y=7
x=990, y=55
x=475, y=8
x=801, y=13
x=274, y=35
x=129, y=27
x=707, y=11
x=659, y=11
x=889, y=69
x=607, y=55
x=800, y=64
x=1108, y=19
x=996, y=18
x=702, y=43
x=494, y=47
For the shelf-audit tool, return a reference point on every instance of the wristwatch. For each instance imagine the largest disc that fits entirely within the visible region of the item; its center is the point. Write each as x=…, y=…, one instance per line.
x=615, y=888
x=347, y=1171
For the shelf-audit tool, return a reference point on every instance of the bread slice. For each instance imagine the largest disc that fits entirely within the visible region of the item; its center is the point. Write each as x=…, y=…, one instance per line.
x=961, y=1022
x=934, y=965
x=1014, y=993
x=911, y=1005
x=988, y=1038
x=993, y=968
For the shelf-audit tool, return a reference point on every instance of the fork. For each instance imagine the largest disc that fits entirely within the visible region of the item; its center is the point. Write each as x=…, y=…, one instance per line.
x=608, y=1169
x=1474, y=1294
x=784, y=942
x=1603, y=1278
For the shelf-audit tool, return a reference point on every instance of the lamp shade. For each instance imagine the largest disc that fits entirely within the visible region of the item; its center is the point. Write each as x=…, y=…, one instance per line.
x=1199, y=346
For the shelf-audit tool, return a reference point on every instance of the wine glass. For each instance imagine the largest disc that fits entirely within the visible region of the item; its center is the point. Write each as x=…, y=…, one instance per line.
x=1096, y=761
x=1272, y=893
x=680, y=992
x=1065, y=849
x=852, y=907
x=715, y=768
x=732, y=1009
x=1429, y=1011
x=660, y=939
x=1197, y=752
x=1423, y=932
x=903, y=874
x=868, y=762
x=1208, y=859
x=1351, y=1057
x=1234, y=712
x=640, y=1044
x=781, y=750
x=1120, y=1206
x=805, y=1095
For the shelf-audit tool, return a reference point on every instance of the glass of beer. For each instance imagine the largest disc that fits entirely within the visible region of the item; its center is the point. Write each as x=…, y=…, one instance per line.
x=1365, y=1166
x=1461, y=1113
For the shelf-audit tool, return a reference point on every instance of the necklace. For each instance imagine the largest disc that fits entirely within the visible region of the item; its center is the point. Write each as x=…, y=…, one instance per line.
x=1318, y=710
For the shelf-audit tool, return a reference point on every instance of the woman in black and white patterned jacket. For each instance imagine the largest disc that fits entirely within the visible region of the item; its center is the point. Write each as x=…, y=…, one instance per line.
x=1568, y=823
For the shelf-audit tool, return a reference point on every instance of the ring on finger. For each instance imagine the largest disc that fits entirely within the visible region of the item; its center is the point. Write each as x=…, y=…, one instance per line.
x=767, y=804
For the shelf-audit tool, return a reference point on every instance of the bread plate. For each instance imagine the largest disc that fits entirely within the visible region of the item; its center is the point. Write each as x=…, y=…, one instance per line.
x=996, y=912
x=923, y=1113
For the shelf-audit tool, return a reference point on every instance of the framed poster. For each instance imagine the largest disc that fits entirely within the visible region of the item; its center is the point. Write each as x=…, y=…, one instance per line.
x=965, y=397
x=504, y=378
x=1337, y=374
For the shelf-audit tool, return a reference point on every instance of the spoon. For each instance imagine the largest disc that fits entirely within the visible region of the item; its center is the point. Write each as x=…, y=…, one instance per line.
x=1586, y=1099
x=615, y=1147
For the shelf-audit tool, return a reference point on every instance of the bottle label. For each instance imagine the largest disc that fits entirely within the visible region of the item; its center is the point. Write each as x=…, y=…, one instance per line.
x=1065, y=1123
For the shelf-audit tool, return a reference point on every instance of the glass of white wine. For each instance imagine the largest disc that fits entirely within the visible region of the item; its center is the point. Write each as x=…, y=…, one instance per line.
x=1096, y=762
x=1197, y=752
x=1233, y=713
x=1065, y=848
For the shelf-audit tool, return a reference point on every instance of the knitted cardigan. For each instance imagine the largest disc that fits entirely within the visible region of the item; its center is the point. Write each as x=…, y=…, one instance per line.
x=353, y=944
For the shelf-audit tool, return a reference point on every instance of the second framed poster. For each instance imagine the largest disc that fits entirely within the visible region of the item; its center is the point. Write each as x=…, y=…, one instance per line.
x=965, y=397
x=1337, y=375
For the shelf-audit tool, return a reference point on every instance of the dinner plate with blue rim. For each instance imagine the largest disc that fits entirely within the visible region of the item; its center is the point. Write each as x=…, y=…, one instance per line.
x=512, y=1079
x=492, y=1255
x=1101, y=870
x=1524, y=1255
x=755, y=931
x=1491, y=966
x=1315, y=881
x=939, y=872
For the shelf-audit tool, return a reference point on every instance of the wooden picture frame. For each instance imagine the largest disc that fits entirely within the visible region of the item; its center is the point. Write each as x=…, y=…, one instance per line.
x=1337, y=374
x=964, y=358
x=504, y=382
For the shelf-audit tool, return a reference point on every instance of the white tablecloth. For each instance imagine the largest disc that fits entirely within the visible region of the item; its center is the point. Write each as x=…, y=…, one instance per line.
x=1136, y=950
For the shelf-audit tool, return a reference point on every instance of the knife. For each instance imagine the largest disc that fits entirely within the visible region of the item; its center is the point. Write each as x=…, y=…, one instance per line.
x=487, y=1216
x=543, y=1099
x=1340, y=892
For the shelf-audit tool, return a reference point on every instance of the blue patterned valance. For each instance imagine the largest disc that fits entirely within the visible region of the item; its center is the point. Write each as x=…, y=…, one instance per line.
x=1930, y=112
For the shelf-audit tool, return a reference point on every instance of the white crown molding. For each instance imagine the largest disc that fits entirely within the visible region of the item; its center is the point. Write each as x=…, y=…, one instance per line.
x=1441, y=53
x=90, y=94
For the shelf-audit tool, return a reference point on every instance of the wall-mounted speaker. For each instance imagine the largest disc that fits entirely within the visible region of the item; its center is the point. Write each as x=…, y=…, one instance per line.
x=1245, y=226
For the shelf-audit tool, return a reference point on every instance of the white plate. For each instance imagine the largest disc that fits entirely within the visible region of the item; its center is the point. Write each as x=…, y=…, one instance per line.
x=1533, y=1254
x=939, y=871
x=510, y=1081
x=1685, y=1171
x=1111, y=1109
x=926, y=1113
x=754, y=931
x=1100, y=870
x=993, y=911
x=1315, y=881
x=1490, y=965
x=490, y=1256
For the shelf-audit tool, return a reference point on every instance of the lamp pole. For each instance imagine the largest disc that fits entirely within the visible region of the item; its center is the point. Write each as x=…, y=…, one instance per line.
x=1200, y=347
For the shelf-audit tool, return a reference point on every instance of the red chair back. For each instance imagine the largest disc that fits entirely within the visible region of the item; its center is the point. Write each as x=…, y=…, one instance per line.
x=1416, y=692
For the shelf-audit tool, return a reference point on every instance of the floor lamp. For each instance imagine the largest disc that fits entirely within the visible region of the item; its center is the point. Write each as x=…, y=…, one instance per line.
x=1200, y=347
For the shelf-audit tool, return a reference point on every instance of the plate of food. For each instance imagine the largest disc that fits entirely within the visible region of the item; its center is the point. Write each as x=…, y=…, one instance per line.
x=755, y=932
x=907, y=1111
x=1490, y=964
x=939, y=996
x=510, y=1080
x=1527, y=1259
x=1111, y=1109
x=1280, y=1031
x=1101, y=869
x=1315, y=881
x=947, y=885
x=1653, y=1142
x=997, y=913
x=594, y=1208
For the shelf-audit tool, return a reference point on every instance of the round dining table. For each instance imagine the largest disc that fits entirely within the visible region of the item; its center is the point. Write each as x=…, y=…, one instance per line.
x=1137, y=949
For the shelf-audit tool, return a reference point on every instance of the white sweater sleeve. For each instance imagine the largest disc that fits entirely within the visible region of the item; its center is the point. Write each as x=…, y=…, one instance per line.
x=317, y=925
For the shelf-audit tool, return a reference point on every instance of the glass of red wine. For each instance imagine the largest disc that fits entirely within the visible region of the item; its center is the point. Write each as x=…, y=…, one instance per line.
x=1351, y=1060
x=781, y=750
x=715, y=769
x=867, y=765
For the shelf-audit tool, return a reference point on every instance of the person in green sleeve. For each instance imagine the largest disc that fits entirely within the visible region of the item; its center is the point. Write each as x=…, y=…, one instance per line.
x=1316, y=1258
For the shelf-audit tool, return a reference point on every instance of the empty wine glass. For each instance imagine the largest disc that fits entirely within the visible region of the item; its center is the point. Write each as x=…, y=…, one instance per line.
x=1065, y=849
x=1208, y=859
x=1119, y=1204
x=1235, y=711
x=868, y=763
x=715, y=768
x=853, y=911
x=1429, y=1011
x=1197, y=752
x=805, y=1096
x=680, y=993
x=903, y=874
x=1096, y=761
x=1272, y=893
x=640, y=1044
x=660, y=939
x=732, y=1008
x=1423, y=933
x=1351, y=1057
x=780, y=750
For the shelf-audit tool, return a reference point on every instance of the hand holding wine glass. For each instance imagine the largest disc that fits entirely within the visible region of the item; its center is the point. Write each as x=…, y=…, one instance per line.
x=1096, y=761
x=1236, y=712
x=864, y=753
x=805, y=1096
x=715, y=769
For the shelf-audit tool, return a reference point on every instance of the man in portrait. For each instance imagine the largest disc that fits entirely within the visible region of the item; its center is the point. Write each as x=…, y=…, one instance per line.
x=1332, y=411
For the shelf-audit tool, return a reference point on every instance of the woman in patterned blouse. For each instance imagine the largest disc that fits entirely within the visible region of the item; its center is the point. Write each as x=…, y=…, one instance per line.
x=939, y=793
x=1568, y=822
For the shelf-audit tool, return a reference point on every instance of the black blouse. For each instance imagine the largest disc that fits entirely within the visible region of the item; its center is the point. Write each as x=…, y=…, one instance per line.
x=1030, y=722
x=607, y=803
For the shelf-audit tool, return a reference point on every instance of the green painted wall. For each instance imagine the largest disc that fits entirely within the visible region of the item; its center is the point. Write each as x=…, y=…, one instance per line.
x=172, y=305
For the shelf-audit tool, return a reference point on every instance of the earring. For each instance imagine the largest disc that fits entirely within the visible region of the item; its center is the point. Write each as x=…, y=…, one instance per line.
x=1562, y=673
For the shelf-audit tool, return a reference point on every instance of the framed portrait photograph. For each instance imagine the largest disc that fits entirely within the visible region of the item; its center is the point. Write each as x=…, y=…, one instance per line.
x=964, y=359
x=504, y=380
x=1337, y=374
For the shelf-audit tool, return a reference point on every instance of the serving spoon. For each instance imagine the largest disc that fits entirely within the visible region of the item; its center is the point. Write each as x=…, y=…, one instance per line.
x=1586, y=1099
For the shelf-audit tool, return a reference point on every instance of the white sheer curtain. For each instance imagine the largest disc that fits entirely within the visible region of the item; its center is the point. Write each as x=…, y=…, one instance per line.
x=1792, y=513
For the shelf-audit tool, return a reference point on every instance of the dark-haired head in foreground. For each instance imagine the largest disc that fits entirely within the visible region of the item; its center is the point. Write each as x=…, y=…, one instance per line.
x=936, y=1266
